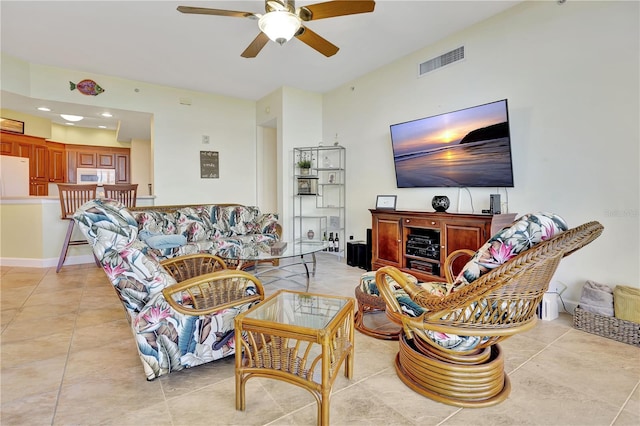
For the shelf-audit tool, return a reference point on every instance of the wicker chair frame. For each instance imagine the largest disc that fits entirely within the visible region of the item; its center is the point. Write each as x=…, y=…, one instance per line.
x=213, y=292
x=205, y=279
x=495, y=306
x=184, y=267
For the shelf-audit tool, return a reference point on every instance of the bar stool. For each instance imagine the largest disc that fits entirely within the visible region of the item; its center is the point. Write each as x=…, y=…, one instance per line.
x=125, y=193
x=71, y=198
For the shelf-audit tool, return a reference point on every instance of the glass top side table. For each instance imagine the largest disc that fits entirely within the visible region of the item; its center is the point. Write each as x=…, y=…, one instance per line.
x=300, y=338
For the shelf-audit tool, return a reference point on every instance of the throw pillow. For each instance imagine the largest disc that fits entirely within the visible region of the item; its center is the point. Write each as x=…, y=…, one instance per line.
x=521, y=235
x=161, y=241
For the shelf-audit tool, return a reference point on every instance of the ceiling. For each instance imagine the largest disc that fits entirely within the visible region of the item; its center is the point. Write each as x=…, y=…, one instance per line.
x=151, y=41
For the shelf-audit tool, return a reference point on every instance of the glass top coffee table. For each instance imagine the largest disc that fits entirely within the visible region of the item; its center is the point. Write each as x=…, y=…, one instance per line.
x=297, y=254
x=299, y=338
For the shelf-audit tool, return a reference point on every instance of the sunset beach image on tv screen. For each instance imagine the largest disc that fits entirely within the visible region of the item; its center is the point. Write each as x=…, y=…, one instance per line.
x=469, y=147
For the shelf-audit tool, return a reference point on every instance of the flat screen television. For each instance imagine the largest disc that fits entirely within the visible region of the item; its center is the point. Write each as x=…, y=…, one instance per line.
x=469, y=147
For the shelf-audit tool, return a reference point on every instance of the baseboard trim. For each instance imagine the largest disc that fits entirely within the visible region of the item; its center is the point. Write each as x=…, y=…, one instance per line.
x=44, y=263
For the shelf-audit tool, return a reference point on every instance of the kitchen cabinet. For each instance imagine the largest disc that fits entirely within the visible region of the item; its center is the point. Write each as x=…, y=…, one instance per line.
x=6, y=147
x=419, y=242
x=98, y=157
x=105, y=160
x=122, y=168
x=86, y=159
x=72, y=165
x=35, y=149
x=39, y=164
x=23, y=149
x=57, y=162
x=38, y=167
x=41, y=189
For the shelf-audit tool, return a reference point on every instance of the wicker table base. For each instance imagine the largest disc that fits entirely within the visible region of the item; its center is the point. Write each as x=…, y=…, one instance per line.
x=370, y=304
x=480, y=382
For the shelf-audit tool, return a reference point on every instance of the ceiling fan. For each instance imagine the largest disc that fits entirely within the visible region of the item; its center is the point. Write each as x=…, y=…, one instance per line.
x=282, y=21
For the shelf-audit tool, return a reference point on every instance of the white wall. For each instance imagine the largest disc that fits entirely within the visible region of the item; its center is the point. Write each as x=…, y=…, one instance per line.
x=177, y=129
x=230, y=125
x=297, y=117
x=141, y=159
x=571, y=76
x=84, y=136
x=266, y=169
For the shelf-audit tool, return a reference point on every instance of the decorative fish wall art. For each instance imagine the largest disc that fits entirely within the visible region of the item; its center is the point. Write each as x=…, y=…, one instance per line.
x=86, y=87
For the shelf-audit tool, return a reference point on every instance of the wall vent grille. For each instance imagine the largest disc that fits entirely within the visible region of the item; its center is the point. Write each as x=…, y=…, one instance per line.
x=440, y=61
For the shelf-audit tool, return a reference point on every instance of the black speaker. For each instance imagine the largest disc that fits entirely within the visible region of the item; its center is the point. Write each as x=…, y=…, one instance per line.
x=494, y=203
x=361, y=257
x=368, y=253
x=353, y=257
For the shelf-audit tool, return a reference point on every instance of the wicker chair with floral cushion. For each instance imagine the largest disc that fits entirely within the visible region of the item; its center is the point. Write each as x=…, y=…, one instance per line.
x=449, y=350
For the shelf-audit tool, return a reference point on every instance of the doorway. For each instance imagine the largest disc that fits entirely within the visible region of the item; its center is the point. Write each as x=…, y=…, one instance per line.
x=267, y=169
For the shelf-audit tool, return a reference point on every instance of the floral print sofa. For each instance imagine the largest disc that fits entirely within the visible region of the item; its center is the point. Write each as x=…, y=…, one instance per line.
x=167, y=339
x=221, y=229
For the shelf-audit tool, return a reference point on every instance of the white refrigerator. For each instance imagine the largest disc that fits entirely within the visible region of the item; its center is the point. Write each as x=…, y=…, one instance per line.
x=14, y=176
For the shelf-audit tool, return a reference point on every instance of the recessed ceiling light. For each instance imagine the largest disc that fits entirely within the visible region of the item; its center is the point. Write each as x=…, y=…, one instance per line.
x=106, y=114
x=102, y=127
x=69, y=124
x=44, y=109
x=69, y=117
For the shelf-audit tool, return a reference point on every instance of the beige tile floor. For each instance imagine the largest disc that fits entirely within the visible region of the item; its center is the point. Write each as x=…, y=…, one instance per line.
x=68, y=358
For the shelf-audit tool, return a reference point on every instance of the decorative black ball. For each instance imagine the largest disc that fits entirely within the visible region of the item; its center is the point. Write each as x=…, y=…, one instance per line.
x=440, y=203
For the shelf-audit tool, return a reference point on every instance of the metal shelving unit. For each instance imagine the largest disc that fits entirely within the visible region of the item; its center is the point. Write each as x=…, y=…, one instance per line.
x=319, y=195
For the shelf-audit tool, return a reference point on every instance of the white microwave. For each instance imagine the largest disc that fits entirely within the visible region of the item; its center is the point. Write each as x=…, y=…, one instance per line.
x=99, y=176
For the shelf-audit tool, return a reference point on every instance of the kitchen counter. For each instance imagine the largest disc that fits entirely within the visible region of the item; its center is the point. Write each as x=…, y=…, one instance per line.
x=32, y=232
x=141, y=200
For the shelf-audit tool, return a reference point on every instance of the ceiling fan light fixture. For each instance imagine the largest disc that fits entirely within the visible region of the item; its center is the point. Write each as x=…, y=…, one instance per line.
x=280, y=25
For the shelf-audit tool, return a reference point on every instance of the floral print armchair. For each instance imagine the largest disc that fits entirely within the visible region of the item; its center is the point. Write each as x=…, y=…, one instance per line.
x=175, y=325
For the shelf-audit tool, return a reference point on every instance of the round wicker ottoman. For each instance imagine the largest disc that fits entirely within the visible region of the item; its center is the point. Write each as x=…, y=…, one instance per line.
x=369, y=301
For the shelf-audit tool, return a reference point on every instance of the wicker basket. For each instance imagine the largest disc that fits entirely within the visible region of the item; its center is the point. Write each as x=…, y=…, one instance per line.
x=609, y=327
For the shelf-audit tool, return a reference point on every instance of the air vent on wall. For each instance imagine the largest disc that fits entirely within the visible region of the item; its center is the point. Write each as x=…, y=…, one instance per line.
x=440, y=61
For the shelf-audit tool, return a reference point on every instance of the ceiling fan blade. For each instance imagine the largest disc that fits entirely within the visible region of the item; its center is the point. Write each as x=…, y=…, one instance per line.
x=256, y=46
x=317, y=42
x=219, y=12
x=330, y=9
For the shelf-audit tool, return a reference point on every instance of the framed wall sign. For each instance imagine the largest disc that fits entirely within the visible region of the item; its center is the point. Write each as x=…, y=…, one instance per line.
x=209, y=165
x=386, y=202
x=13, y=126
